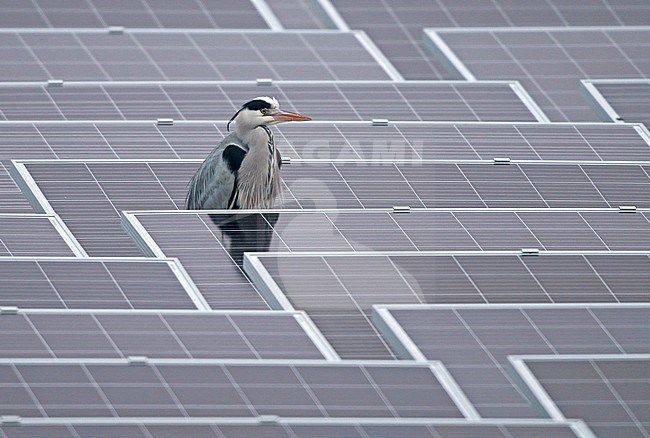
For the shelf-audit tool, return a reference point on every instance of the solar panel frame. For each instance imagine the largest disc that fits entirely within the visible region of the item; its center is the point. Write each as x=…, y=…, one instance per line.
x=396, y=97
x=175, y=269
x=57, y=225
x=92, y=65
x=153, y=367
x=301, y=427
x=555, y=107
x=533, y=385
x=606, y=109
x=402, y=342
x=122, y=323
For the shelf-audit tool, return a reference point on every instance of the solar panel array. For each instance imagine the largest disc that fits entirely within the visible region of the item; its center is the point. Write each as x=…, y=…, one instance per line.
x=549, y=62
x=217, y=240
x=608, y=391
x=89, y=196
x=474, y=342
x=396, y=27
x=469, y=206
x=338, y=291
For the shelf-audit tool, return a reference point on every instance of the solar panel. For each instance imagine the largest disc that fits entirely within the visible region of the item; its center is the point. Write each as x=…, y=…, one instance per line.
x=476, y=185
x=36, y=235
x=424, y=100
x=333, y=140
x=180, y=388
x=150, y=14
x=89, y=193
x=464, y=141
x=169, y=334
x=396, y=28
x=83, y=283
x=500, y=13
x=401, y=191
x=97, y=54
x=300, y=14
x=618, y=100
x=474, y=341
x=295, y=428
x=608, y=391
x=320, y=140
x=339, y=290
x=215, y=238
x=549, y=62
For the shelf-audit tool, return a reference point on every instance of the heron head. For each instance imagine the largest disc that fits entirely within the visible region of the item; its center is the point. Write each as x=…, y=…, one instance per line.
x=264, y=110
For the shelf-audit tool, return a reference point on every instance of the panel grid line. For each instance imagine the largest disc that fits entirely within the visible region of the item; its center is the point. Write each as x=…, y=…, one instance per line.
x=595, y=187
x=531, y=146
x=170, y=392
x=54, y=289
x=108, y=337
x=40, y=336
x=486, y=350
x=620, y=399
x=309, y=391
x=243, y=337
x=29, y=390
x=99, y=390
x=117, y=285
x=359, y=308
x=469, y=278
x=602, y=280
x=606, y=330
x=175, y=336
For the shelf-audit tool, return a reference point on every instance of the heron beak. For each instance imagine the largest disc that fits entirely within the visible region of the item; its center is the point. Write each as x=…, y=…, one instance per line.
x=286, y=116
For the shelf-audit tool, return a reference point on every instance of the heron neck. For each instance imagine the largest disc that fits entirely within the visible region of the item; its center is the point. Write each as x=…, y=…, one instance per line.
x=252, y=136
x=259, y=179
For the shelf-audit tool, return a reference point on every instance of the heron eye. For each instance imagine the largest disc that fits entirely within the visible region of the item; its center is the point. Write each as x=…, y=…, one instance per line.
x=264, y=110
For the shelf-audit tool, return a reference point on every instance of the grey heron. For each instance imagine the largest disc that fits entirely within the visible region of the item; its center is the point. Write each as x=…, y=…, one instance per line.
x=243, y=171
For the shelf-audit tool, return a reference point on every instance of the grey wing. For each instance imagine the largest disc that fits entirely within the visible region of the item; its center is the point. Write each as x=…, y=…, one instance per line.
x=213, y=183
